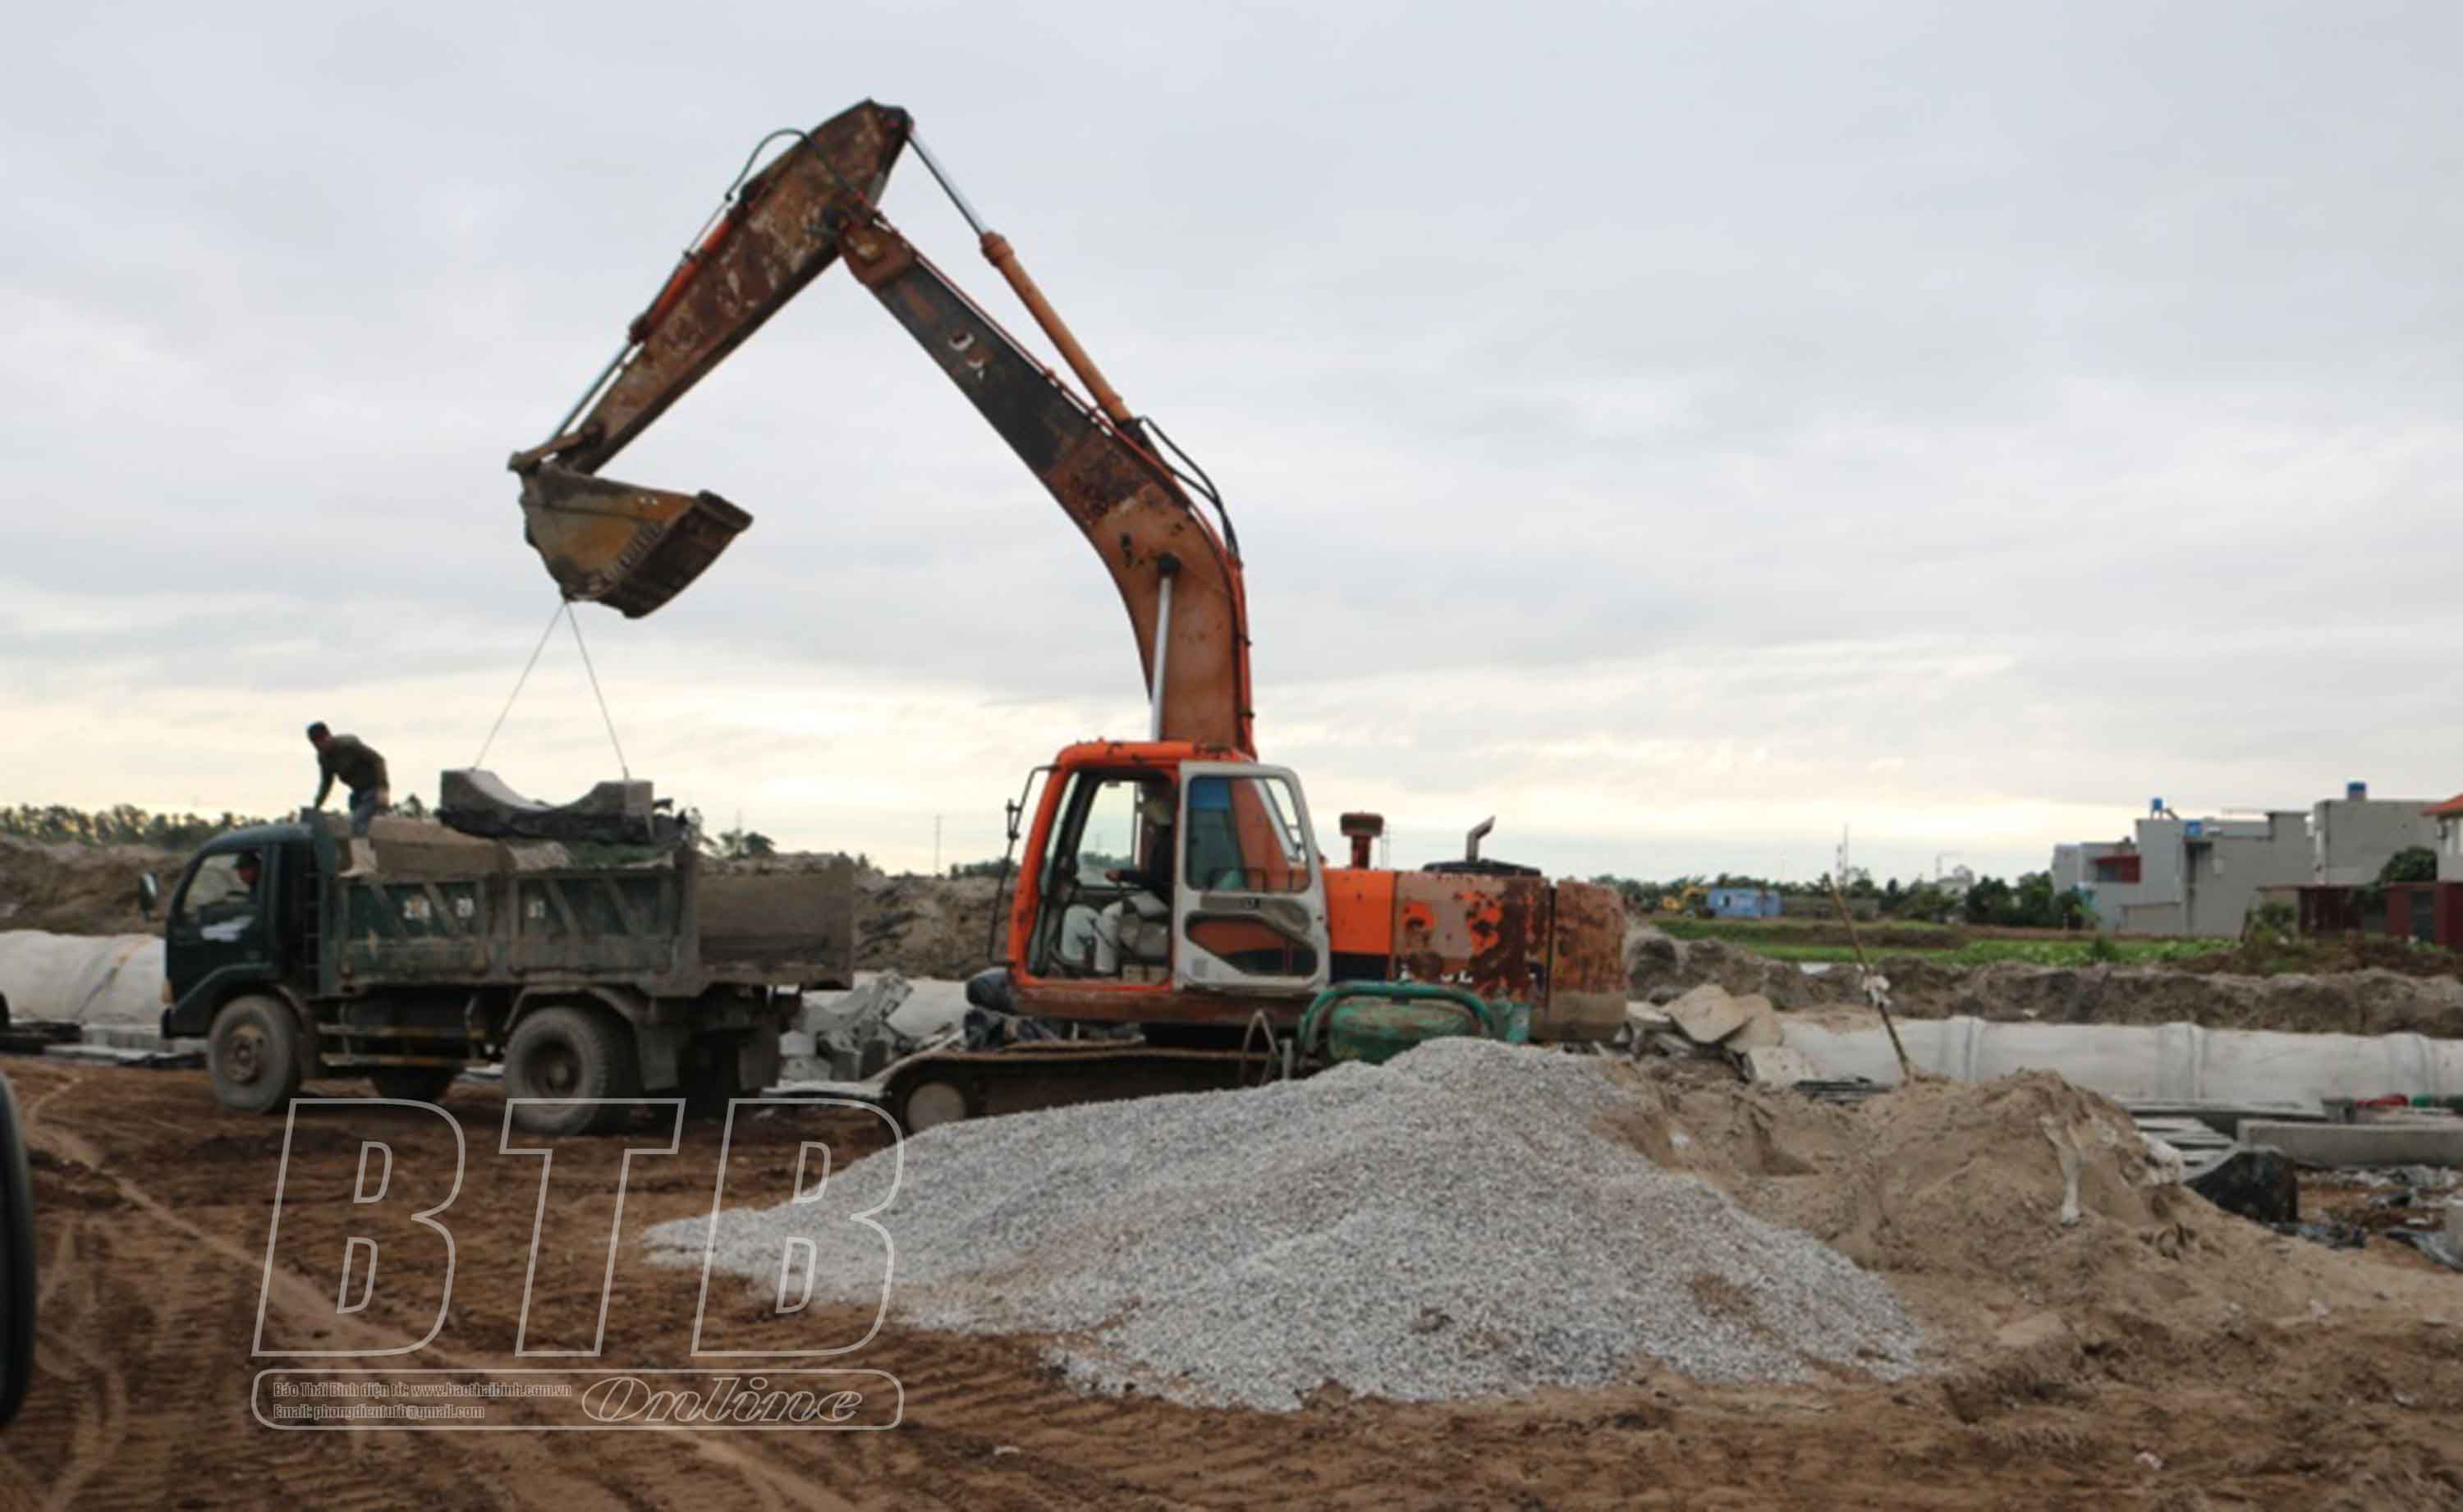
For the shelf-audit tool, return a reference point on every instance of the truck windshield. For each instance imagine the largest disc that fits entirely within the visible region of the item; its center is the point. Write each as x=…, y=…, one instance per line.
x=220, y=900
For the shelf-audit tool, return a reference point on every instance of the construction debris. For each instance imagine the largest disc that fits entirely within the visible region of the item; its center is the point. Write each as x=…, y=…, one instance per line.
x=1371, y=1228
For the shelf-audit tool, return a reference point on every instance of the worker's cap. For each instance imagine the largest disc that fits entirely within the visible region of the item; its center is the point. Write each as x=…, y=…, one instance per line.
x=318, y=730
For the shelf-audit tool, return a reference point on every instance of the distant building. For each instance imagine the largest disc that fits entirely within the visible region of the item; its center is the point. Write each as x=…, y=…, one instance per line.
x=2433, y=911
x=1745, y=902
x=2201, y=876
x=2355, y=836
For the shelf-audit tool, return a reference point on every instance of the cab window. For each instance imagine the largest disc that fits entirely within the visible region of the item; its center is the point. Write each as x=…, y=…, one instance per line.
x=222, y=892
x=1241, y=837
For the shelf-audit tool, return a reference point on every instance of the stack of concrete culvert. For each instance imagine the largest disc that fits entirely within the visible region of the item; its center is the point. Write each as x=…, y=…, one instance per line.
x=97, y=980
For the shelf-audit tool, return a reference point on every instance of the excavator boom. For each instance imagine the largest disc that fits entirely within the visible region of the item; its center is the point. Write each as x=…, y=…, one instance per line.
x=635, y=548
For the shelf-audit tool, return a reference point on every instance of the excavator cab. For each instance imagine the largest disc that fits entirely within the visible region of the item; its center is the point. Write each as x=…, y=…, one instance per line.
x=1160, y=874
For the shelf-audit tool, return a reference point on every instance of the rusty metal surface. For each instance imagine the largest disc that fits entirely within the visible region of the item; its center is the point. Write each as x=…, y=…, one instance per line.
x=783, y=240
x=1125, y=503
x=1586, y=984
x=628, y=547
x=1486, y=933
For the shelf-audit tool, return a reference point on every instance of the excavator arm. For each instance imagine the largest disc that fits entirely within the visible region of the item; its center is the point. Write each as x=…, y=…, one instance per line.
x=635, y=548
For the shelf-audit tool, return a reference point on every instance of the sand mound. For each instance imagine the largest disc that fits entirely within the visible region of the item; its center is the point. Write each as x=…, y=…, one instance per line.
x=1955, y=1193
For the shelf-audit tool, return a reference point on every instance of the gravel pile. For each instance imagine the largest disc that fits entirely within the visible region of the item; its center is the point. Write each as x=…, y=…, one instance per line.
x=1455, y=1223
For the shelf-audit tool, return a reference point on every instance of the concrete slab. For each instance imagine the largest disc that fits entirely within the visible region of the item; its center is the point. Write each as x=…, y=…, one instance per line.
x=1706, y=1014
x=2425, y=1142
x=1646, y=1019
x=2223, y=1117
x=1762, y=1027
x=1780, y=1066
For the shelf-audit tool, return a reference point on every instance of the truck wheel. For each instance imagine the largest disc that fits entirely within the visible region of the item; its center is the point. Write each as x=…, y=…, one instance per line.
x=254, y=1055
x=415, y=1084
x=571, y=1051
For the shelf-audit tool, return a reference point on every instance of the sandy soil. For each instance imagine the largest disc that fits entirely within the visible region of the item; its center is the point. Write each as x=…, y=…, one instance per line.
x=154, y=1207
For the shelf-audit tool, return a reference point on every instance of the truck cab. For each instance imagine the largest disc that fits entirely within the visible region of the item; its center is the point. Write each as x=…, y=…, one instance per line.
x=241, y=916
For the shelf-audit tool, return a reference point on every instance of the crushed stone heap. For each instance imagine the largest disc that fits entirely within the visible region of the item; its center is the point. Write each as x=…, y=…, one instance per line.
x=1461, y=1221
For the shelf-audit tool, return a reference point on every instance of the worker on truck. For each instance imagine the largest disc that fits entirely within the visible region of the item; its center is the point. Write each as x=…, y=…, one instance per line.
x=360, y=766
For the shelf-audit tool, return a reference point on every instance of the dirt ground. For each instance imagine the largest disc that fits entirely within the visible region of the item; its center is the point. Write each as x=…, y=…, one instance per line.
x=154, y=1207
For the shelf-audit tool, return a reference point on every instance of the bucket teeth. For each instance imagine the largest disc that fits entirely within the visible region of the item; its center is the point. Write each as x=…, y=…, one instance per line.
x=620, y=543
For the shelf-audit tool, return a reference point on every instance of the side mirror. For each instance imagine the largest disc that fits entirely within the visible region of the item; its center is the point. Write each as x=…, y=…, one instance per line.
x=149, y=893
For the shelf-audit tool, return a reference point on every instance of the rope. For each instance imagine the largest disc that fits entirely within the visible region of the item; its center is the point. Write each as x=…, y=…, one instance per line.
x=493, y=730
x=575, y=622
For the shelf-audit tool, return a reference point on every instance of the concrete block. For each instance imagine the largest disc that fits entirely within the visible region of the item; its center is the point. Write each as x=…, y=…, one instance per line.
x=1780, y=1066
x=1706, y=1014
x=796, y=1043
x=1762, y=1027
x=1646, y=1020
x=2454, y=1222
x=2425, y=1142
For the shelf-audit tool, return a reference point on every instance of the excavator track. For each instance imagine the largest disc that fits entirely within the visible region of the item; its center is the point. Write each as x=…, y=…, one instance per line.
x=938, y=1086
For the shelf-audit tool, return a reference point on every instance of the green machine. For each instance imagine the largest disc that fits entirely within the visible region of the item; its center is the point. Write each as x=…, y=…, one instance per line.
x=1377, y=1020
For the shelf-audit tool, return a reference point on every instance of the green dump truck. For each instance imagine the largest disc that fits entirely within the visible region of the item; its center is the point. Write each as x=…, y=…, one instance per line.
x=591, y=970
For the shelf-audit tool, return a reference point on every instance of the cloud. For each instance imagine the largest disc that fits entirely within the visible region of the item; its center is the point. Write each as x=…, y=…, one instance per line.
x=1680, y=432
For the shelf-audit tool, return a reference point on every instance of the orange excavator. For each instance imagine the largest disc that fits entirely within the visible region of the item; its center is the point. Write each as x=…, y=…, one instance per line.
x=1173, y=922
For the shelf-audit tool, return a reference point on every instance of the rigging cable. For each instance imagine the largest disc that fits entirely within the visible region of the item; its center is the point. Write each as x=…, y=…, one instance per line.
x=518, y=686
x=575, y=621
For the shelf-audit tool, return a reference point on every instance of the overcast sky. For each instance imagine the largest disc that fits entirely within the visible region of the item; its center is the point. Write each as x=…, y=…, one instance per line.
x=1677, y=431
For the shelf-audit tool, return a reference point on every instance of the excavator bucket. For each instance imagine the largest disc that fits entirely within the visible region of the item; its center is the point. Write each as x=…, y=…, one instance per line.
x=621, y=544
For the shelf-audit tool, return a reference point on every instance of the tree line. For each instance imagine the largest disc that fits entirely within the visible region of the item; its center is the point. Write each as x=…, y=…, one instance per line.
x=2030, y=901
x=121, y=824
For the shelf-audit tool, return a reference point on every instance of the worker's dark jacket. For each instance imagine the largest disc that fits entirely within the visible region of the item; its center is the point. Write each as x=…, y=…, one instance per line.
x=355, y=762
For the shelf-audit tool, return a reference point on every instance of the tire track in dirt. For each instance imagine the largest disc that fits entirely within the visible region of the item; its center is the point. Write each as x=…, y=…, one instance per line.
x=340, y=1471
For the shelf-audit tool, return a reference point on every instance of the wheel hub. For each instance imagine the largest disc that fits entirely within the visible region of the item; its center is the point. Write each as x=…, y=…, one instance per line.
x=244, y=1054
x=933, y=1104
x=556, y=1070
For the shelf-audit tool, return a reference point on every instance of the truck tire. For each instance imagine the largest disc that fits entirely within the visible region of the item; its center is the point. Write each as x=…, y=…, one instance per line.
x=414, y=1084
x=571, y=1051
x=255, y=1054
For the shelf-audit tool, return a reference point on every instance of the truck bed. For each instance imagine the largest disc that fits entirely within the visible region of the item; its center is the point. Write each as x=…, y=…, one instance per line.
x=442, y=907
